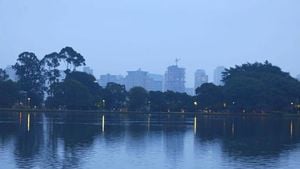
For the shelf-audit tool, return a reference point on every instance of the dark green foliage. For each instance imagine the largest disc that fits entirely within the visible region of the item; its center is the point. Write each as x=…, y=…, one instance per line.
x=78, y=91
x=138, y=98
x=114, y=96
x=177, y=102
x=9, y=94
x=258, y=87
x=50, y=64
x=31, y=79
x=157, y=101
x=210, y=96
x=3, y=75
x=70, y=94
x=73, y=59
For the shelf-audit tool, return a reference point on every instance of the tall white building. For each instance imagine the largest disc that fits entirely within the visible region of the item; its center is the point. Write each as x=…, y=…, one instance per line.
x=175, y=79
x=200, y=78
x=218, y=76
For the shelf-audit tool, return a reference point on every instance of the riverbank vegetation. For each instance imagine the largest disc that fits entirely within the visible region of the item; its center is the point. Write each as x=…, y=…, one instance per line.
x=55, y=83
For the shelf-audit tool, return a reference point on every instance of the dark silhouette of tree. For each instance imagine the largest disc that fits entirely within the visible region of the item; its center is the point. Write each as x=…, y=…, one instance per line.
x=9, y=93
x=70, y=94
x=89, y=81
x=260, y=87
x=30, y=73
x=50, y=64
x=138, y=98
x=157, y=101
x=114, y=97
x=178, y=101
x=78, y=91
x=209, y=96
x=3, y=75
x=72, y=58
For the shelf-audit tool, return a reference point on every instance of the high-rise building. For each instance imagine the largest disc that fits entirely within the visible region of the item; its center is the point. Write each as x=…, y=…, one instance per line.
x=218, y=75
x=136, y=78
x=88, y=70
x=175, y=79
x=154, y=82
x=11, y=73
x=108, y=78
x=200, y=78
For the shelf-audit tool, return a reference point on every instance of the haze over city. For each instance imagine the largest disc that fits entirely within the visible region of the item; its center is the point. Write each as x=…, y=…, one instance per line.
x=117, y=36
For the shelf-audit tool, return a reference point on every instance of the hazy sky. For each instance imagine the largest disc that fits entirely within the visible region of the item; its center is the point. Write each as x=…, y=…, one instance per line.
x=120, y=35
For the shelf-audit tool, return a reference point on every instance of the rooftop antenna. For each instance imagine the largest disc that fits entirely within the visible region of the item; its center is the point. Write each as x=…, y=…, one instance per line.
x=177, y=60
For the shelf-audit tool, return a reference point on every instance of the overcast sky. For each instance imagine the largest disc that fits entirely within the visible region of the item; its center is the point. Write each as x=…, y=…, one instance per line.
x=119, y=35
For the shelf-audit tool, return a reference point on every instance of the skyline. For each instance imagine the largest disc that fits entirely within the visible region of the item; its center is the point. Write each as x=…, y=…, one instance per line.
x=117, y=36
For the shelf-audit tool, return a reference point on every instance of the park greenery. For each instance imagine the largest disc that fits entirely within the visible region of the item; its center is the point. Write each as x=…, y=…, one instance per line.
x=248, y=88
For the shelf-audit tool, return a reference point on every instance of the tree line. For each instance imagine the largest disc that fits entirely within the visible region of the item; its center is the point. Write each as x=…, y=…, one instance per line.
x=257, y=87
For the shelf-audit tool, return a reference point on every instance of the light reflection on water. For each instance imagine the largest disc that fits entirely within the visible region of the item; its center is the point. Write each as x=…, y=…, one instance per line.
x=56, y=140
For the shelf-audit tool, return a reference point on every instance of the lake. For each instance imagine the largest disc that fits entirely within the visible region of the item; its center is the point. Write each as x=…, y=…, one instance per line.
x=80, y=140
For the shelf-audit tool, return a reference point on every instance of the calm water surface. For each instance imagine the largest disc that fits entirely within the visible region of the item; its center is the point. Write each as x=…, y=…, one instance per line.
x=57, y=140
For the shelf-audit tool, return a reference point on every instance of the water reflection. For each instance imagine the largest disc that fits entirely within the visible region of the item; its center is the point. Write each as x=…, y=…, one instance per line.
x=57, y=140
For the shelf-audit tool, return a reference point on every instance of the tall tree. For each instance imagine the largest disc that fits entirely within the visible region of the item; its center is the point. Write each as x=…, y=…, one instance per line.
x=70, y=94
x=210, y=96
x=9, y=93
x=157, y=101
x=30, y=73
x=176, y=101
x=260, y=87
x=50, y=63
x=3, y=75
x=114, y=96
x=72, y=58
x=138, y=98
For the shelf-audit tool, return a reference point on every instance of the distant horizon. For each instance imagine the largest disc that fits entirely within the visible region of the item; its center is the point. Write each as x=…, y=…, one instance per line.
x=210, y=77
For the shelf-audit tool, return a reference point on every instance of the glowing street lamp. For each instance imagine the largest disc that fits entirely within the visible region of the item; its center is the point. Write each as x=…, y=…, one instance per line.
x=195, y=104
x=103, y=103
x=28, y=101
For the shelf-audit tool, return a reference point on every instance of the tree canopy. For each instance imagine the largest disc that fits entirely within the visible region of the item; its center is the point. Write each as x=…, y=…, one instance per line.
x=257, y=87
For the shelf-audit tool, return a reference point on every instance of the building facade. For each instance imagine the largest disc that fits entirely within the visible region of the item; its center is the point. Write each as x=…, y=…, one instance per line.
x=174, y=79
x=108, y=78
x=200, y=78
x=136, y=78
x=154, y=82
x=218, y=75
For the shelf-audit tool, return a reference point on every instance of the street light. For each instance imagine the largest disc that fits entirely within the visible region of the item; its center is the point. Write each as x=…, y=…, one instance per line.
x=103, y=103
x=28, y=101
x=195, y=104
x=149, y=106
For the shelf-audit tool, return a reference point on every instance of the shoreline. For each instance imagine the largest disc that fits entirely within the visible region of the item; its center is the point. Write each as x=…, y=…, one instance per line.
x=278, y=114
